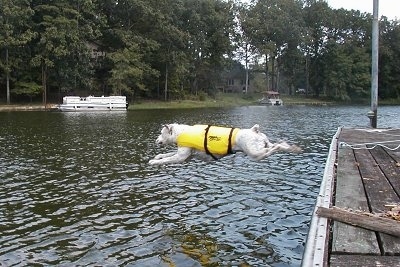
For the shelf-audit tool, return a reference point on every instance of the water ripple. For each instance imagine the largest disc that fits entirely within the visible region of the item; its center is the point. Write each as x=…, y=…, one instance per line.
x=76, y=189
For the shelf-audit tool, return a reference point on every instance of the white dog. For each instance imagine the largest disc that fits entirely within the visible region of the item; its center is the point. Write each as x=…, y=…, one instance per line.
x=213, y=142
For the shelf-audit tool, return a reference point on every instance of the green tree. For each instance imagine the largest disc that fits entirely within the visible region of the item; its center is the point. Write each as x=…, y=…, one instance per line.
x=317, y=17
x=129, y=24
x=337, y=51
x=389, y=58
x=172, y=48
x=15, y=32
x=209, y=26
x=64, y=28
x=345, y=71
x=245, y=51
x=29, y=89
x=129, y=70
x=346, y=57
x=274, y=27
x=169, y=58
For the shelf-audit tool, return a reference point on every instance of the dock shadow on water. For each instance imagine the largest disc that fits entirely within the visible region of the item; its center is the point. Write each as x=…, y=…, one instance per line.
x=76, y=189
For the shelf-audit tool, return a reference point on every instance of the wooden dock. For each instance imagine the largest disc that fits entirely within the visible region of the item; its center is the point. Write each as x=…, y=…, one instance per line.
x=361, y=178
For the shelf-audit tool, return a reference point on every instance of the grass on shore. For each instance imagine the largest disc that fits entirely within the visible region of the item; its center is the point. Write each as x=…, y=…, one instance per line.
x=231, y=100
x=223, y=100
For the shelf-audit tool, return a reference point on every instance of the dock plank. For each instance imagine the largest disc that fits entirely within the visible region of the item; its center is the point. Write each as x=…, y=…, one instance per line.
x=364, y=260
x=395, y=154
x=389, y=166
x=379, y=191
x=350, y=194
x=380, y=194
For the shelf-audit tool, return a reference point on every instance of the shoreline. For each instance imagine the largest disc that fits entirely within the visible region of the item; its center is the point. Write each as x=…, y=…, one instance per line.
x=220, y=101
x=27, y=107
x=132, y=107
x=179, y=105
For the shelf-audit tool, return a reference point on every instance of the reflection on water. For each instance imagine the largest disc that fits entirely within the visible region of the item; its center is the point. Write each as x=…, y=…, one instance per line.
x=76, y=189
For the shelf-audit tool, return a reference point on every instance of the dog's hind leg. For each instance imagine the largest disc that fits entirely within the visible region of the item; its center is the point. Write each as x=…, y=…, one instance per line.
x=282, y=146
x=273, y=148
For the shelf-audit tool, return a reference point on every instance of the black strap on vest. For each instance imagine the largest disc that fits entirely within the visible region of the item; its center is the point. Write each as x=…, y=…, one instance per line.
x=205, y=143
x=229, y=151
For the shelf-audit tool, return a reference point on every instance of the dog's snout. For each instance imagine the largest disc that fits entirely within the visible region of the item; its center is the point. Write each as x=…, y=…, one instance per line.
x=159, y=141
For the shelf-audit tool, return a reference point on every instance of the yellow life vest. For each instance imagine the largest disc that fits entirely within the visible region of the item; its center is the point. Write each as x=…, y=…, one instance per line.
x=214, y=140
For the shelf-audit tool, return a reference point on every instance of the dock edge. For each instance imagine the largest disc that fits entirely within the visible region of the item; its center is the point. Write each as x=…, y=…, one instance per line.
x=316, y=247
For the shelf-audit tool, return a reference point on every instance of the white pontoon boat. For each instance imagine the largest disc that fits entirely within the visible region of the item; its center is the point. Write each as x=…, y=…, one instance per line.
x=93, y=103
x=271, y=98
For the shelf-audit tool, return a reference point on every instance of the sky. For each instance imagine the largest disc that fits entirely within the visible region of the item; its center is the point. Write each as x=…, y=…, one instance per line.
x=388, y=8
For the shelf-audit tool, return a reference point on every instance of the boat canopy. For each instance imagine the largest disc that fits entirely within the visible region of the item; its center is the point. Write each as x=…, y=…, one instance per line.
x=271, y=94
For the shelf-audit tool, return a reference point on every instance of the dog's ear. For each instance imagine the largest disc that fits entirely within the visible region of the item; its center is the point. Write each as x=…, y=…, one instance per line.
x=168, y=127
x=255, y=128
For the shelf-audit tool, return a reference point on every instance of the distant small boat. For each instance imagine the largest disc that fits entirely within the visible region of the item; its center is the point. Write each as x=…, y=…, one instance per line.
x=93, y=103
x=271, y=98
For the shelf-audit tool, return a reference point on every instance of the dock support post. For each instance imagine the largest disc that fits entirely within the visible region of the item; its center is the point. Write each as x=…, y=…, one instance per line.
x=374, y=75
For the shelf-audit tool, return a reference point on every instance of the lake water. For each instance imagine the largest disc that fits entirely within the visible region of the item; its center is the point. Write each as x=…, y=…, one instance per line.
x=76, y=189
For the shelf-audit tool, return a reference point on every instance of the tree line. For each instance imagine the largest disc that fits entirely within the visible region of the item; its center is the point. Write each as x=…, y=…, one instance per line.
x=169, y=49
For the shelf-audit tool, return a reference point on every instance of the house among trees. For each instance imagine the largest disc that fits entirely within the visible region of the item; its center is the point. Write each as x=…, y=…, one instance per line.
x=234, y=81
x=96, y=51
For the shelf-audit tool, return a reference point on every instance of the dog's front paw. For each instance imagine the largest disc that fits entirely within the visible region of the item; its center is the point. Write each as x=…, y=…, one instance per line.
x=159, y=156
x=153, y=161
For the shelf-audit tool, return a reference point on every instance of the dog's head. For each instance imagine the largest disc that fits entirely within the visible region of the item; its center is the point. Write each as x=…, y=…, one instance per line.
x=166, y=136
